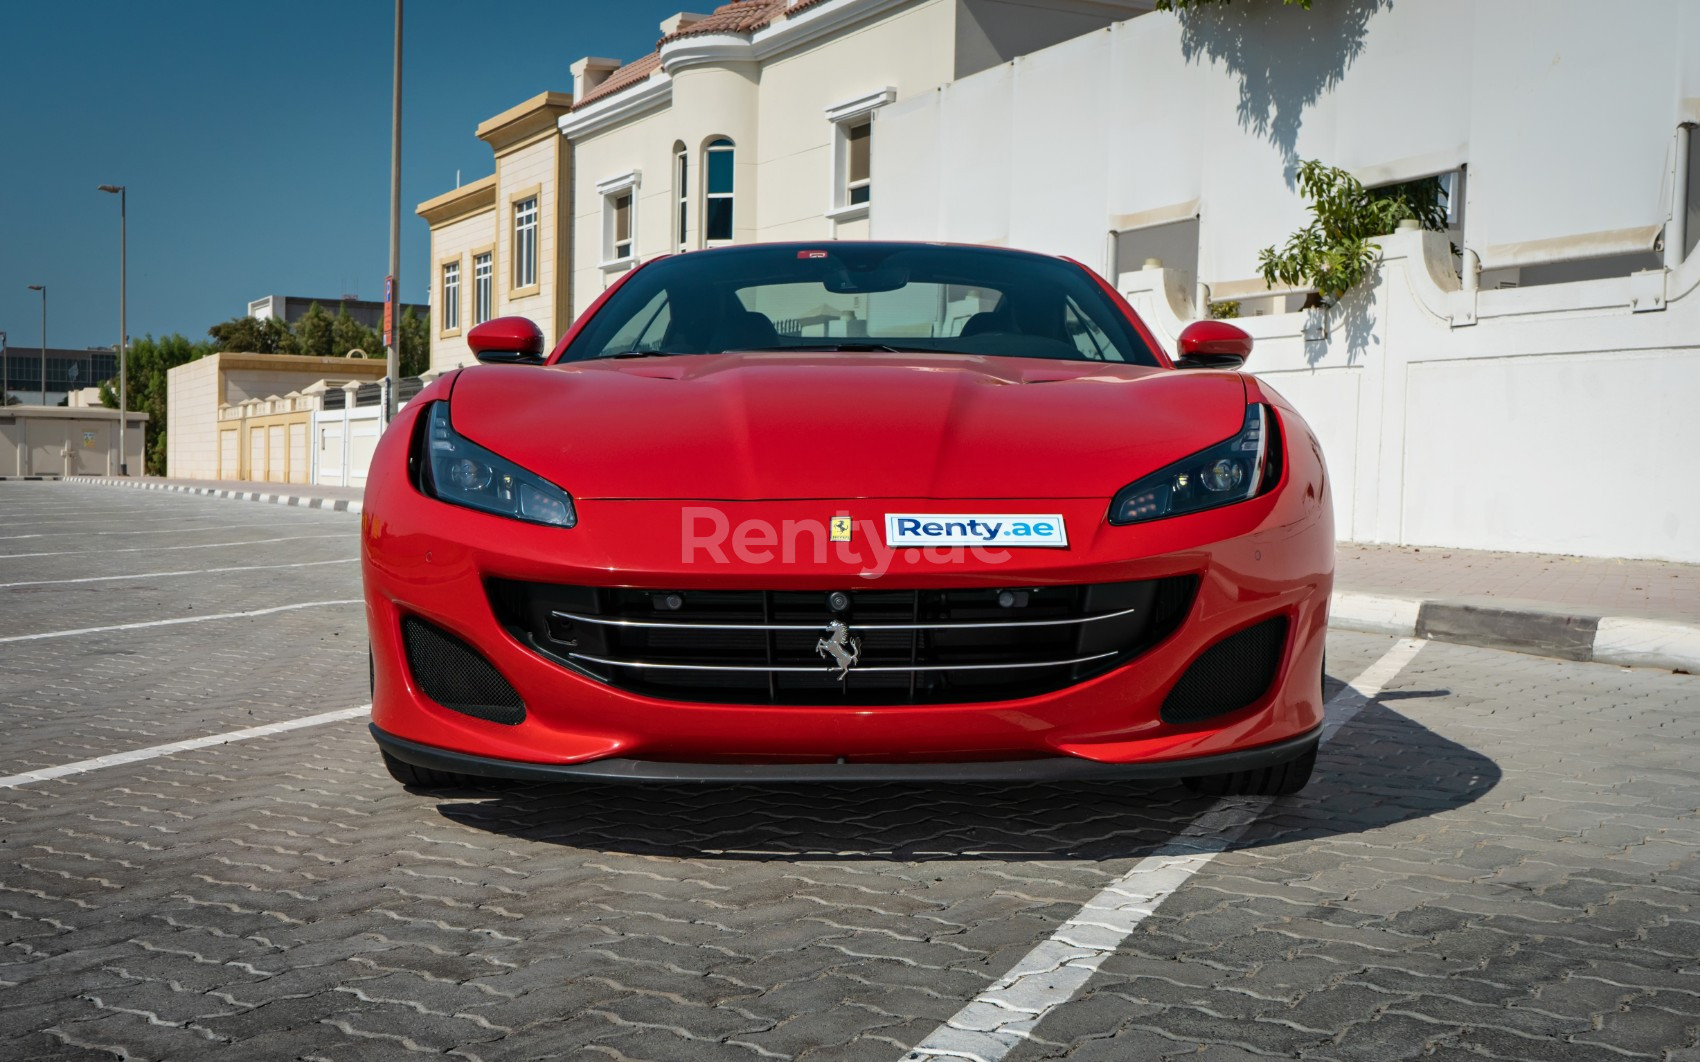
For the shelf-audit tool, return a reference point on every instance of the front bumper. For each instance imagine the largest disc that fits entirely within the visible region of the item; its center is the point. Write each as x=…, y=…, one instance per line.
x=1050, y=769
x=1271, y=556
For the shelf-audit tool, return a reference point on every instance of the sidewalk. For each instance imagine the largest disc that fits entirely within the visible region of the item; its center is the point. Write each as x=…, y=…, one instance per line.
x=1632, y=612
x=341, y=499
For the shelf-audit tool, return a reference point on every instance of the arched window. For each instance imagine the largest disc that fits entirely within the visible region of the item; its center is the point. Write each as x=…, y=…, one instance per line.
x=717, y=194
x=681, y=196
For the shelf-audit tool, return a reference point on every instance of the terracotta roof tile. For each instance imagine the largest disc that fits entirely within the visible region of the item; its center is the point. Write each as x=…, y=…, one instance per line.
x=740, y=16
x=625, y=77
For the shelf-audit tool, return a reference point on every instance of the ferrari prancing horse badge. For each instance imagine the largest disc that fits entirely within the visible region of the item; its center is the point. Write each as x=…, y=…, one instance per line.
x=841, y=529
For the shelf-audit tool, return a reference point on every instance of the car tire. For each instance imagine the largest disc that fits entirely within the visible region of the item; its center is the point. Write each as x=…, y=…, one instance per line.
x=415, y=777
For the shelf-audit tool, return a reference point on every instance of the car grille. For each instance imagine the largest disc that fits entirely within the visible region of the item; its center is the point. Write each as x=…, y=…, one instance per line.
x=915, y=646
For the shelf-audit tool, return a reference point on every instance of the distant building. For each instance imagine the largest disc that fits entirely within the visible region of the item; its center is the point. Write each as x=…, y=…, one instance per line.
x=37, y=441
x=291, y=308
x=67, y=370
x=207, y=441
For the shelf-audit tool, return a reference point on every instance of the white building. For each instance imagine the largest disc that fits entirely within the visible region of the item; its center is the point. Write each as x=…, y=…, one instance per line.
x=1523, y=394
x=1534, y=405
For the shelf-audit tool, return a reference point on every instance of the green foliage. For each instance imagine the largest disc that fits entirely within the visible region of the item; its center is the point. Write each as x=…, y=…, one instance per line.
x=1334, y=253
x=150, y=359
x=248, y=335
x=1225, y=310
x=313, y=333
x=317, y=333
x=348, y=334
x=1182, y=5
x=415, y=340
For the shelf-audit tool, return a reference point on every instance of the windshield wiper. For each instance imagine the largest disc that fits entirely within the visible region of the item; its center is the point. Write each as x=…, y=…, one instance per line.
x=638, y=354
x=850, y=348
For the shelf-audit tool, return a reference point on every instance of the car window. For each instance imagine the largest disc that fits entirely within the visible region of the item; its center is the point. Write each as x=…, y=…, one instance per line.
x=1088, y=338
x=850, y=295
x=643, y=331
x=916, y=310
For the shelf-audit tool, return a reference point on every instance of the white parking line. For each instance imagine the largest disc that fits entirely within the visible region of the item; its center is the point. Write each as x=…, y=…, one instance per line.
x=145, y=531
x=175, y=622
x=156, y=751
x=191, y=571
x=1056, y=970
x=156, y=549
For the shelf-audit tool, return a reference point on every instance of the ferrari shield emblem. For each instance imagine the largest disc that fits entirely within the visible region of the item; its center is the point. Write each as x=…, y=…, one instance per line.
x=841, y=529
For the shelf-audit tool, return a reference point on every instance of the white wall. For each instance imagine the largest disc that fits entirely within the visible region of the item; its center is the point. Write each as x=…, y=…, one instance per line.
x=1564, y=110
x=1522, y=419
x=1537, y=419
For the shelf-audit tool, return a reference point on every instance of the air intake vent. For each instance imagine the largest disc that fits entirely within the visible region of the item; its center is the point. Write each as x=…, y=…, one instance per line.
x=1230, y=675
x=452, y=673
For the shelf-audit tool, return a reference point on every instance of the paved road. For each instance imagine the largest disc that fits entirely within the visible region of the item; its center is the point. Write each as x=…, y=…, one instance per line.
x=1497, y=859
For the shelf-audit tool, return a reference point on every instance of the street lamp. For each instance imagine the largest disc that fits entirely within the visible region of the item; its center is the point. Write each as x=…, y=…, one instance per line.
x=43, y=289
x=5, y=372
x=123, y=333
x=392, y=319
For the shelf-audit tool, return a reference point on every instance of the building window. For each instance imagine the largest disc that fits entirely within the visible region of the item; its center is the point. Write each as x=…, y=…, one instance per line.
x=449, y=319
x=717, y=197
x=525, y=242
x=619, y=219
x=852, y=154
x=620, y=226
x=857, y=185
x=681, y=196
x=481, y=288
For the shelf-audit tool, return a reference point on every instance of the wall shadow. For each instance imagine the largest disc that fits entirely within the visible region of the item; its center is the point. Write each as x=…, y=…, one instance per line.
x=1285, y=57
x=1380, y=769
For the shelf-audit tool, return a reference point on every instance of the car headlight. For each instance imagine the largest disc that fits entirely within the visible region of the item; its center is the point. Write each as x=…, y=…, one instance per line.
x=460, y=472
x=1233, y=470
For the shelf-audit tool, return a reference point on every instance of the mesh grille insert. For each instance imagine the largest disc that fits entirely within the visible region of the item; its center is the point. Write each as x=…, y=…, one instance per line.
x=454, y=675
x=1230, y=675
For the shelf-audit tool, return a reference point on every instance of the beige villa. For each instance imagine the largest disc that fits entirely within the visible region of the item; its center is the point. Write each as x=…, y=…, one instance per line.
x=756, y=122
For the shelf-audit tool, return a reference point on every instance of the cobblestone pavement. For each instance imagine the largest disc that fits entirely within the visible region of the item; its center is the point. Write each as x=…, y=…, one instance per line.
x=1497, y=859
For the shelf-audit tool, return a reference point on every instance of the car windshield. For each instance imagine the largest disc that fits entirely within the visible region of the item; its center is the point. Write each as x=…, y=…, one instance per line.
x=844, y=296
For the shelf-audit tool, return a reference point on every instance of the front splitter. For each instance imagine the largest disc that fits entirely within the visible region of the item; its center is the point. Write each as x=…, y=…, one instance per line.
x=1047, y=769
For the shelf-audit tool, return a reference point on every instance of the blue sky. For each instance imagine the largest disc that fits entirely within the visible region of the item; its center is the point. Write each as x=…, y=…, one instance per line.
x=254, y=140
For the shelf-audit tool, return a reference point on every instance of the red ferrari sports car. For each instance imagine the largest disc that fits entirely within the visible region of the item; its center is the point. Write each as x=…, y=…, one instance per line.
x=846, y=512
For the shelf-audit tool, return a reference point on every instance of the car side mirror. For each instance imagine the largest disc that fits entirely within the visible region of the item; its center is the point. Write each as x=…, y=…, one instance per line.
x=1213, y=345
x=507, y=341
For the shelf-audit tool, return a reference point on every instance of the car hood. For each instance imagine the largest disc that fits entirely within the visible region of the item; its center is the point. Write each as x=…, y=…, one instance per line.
x=842, y=425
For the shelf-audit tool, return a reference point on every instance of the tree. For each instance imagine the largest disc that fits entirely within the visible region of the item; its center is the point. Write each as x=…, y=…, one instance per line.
x=1333, y=253
x=249, y=335
x=1182, y=5
x=149, y=361
x=313, y=333
x=415, y=340
x=348, y=334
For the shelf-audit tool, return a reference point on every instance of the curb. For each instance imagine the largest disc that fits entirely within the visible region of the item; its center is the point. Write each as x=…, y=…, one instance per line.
x=304, y=501
x=1625, y=640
